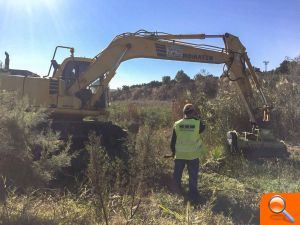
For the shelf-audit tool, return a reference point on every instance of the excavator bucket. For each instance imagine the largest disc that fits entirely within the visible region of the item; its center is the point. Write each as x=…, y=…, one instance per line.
x=252, y=146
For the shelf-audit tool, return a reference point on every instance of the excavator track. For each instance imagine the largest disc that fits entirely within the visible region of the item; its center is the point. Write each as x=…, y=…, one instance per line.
x=112, y=138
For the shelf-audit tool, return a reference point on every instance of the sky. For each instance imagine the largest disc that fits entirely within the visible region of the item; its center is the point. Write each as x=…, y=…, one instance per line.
x=31, y=29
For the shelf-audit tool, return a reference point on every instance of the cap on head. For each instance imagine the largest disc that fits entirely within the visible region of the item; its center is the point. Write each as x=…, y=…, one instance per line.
x=188, y=108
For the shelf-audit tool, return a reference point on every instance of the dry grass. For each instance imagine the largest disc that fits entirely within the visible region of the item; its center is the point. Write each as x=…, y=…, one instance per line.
x=230, y=193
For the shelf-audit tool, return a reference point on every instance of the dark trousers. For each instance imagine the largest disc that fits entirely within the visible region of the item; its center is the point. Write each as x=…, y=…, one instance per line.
x=193, y=169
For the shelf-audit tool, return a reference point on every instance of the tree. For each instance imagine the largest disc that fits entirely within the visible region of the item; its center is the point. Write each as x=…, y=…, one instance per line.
x=284, y=67
x=201, y=75
x=166, y=80
x=256, y=69
x=154, y=84
x=125, y=88
x=182, y=77
x=206, y=83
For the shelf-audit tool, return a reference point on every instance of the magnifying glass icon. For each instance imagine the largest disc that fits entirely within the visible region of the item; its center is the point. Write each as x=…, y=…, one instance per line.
x=277, y=205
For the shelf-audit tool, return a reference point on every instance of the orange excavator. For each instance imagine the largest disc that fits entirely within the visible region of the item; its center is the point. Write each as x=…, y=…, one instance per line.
x=78, y=87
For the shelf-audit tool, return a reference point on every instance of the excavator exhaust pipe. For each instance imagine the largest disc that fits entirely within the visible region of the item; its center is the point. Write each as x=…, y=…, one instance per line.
x=6, y=65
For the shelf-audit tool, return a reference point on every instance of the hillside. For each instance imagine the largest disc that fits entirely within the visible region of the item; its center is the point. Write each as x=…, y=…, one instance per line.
x=185, y=86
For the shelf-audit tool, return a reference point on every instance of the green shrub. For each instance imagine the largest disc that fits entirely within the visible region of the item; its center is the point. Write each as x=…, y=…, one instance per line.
x=150, y=147
x=29, y=155
x=113, y=180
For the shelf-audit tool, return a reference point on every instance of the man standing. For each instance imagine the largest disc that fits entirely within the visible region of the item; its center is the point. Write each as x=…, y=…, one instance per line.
x=186, y=149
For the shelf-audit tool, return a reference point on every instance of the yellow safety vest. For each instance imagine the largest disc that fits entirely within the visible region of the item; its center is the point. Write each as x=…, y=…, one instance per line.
x=188, y=142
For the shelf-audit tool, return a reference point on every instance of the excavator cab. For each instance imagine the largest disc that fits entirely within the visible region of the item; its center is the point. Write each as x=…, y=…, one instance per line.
x=72, y=70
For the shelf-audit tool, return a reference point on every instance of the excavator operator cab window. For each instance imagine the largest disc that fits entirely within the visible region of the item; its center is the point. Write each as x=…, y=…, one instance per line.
x=73, y=70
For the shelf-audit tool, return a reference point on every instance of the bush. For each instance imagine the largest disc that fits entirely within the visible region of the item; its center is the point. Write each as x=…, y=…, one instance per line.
x=182, y=77
x=286, y=114
x=106, y=173
x=166, y=80
x=150, y=147
x=113, y=180
x=28, y=156
x=145, y=163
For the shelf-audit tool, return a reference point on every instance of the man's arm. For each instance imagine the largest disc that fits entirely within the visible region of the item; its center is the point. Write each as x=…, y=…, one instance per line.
x=173, y=142
x=201, y=127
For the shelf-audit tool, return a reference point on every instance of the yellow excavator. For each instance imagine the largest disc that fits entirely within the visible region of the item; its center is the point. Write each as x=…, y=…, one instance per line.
x=78, y=87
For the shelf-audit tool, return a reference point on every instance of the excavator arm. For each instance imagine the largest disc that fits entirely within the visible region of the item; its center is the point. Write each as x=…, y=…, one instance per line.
x=164, y=46
x=146, y=45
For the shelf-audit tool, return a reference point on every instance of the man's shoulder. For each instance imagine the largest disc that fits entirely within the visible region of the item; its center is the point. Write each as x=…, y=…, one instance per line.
x=186, y=119
x=178, y=121
x=193, y=118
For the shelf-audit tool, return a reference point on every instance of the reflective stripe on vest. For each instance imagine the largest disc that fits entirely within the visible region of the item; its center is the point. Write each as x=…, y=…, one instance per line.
x=188, y=142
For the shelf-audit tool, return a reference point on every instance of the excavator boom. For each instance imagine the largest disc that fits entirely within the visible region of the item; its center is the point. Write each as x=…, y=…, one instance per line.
x=147, y=45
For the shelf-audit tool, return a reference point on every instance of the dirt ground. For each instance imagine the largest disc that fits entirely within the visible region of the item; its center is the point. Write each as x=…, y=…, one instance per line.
x=294, y=149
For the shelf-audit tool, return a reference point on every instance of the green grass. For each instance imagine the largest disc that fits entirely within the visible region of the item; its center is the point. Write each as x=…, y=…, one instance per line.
x=156, y=114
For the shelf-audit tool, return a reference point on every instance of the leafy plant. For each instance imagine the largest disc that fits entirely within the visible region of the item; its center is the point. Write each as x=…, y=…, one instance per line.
x=30, y=153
